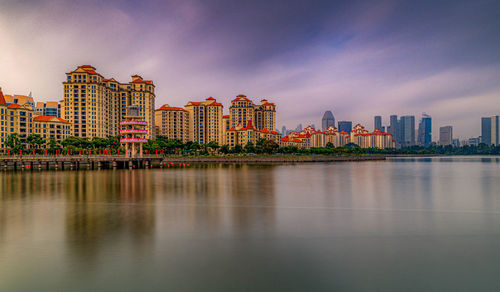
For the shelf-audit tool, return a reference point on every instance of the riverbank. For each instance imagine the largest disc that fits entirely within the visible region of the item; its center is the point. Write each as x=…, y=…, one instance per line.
x=271, y=159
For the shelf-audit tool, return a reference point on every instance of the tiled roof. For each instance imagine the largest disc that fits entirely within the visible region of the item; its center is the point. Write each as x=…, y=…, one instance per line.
x=14, y=105
x=225, y=117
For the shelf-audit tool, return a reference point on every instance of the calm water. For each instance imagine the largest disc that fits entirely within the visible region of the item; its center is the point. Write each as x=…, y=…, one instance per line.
x=397, y=225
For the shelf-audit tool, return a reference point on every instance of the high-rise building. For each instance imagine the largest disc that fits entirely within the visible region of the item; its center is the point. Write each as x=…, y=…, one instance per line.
x=486, y=130
x=377, y=123
x=446, y=135
x=495, y=134
x=95, y=105
x=172, y=122
x=241, y=111
x=19, y=99
x=265, y=115
x=394, y=129
x=345, y=126
x=425, y=131
x=299, y=128
x=407, y=131
x=205, y=121
x=283, y=131
x=327, y=120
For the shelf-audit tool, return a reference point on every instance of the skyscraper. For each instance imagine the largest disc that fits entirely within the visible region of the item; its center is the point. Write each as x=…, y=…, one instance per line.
x=327, y=121
x=394, y=130
x=283, y=131
x=446, y=135
x=407, y=127
x=486, y=130
x=425, y=131
x=495, y=135
x=377, y=123
x=345, y=126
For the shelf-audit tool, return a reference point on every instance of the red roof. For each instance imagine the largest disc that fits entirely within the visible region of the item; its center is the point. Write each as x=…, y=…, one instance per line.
x=2, y=98
x=216, y=103
x=241, y=96
x=225, y=117
x=142, y=81
x=63, y=120
x=86, y=66
x=14, y=105
x=210, y=98
x=169, y=108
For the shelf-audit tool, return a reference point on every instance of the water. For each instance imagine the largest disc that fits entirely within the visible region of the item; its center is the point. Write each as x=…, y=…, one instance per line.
x=398, y=225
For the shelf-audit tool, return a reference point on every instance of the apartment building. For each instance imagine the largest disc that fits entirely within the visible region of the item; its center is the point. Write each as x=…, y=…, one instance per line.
x=172, y=122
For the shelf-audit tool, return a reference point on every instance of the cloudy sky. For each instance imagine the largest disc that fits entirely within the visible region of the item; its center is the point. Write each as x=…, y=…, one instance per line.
x=356, y=58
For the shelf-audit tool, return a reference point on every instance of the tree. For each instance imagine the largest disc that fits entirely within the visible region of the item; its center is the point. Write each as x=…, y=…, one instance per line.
x=250, y=148
x=113, y=142
x=224, y=149
x=53, y=145
x=330, y=145
x=237, y=149
x=270, y=146
x=213, y=145
x=35, y=140
x=13, y=142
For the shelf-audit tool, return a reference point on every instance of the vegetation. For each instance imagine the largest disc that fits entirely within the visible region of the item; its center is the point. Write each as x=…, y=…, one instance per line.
x=167, y=146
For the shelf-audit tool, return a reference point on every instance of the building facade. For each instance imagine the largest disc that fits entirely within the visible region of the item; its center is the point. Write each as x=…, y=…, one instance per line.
x=345, y=126
x=51, y=127
x=205, y=121
x=377, y=123
x=407, y=131
x=495, y=133
x=172, y=122
x=49, y=108
x=265, y=115
x=425, y=131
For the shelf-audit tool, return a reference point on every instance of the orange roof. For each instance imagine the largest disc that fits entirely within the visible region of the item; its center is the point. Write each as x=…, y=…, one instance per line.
x=210, y=98
x=2, y=98
x=51, y=103
x=225, y=117
x=215, y=103
x=142, y=81
x=86, y=66
x=48, y=119
x=241, y=96
x=14, y=105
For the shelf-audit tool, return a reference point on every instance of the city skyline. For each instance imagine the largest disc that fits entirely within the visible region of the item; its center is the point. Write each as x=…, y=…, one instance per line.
x=392, y=58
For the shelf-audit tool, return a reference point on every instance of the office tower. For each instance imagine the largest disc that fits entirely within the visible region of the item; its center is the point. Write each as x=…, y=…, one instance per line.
x=486, y=130
x=393, y=129
x=265, y=115
x=95, y=105
x=425, y=131
x=377, y=123
x=299, y=128
x=495, y=137
x=446, y=135
x=345, y=126
x=205, y=121
x=49, y=108
x=407, y=130
x=283, y=131
x=327, y=120
x=455, y=143
x=172, y=122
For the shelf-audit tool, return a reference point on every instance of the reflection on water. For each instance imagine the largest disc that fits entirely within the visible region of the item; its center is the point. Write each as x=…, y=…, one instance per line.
x=403, y=224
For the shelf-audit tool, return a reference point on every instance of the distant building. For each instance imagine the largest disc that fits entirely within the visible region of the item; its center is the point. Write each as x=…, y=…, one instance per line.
x=299, y=128
x=474, y=141
x=345, y=126
x=283, y=131
x=172, y=122
x=446, y=135
x=455, y=143
x=495, y=135
x=425, y=131
x=49, y=108
x=327, y=121
x=407, y=125
x=486, y=130
x=377, y=123
x=394, y=129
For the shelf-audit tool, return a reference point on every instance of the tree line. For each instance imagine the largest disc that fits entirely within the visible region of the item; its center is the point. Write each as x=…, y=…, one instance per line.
x=177, y=147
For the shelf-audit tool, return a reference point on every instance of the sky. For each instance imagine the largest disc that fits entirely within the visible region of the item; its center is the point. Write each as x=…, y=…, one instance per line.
x=356, y=58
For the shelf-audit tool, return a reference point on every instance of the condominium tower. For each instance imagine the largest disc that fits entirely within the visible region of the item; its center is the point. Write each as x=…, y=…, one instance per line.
x=95, y=105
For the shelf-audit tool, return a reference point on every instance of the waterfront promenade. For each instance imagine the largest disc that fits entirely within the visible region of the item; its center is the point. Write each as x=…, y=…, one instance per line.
x=76, y=162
